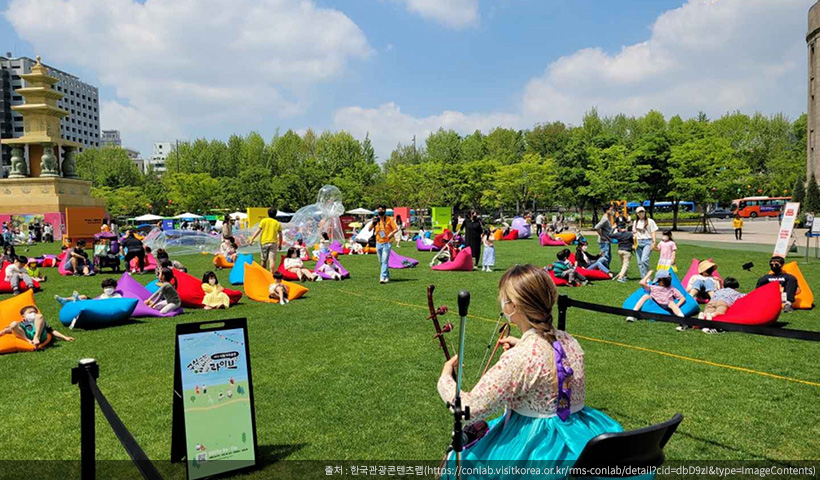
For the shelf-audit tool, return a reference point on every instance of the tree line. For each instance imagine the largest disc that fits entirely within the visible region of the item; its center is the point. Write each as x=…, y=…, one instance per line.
x=581, y=166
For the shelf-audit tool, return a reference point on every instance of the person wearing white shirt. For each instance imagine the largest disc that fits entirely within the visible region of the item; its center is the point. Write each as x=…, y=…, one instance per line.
x=644, y=230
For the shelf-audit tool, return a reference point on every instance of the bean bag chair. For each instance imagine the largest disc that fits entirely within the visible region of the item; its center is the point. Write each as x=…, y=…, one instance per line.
x=149, y=265
x=546, y=241
x=462, y=262
x=98, y=312
x=761, y=306
x=689, y=307
x=46, y=261
x=5, y=287
x=315, y=255
x=804, y=300
x=399, y=261
x=693, y=270
x=321, y=261
x=370, y=250
x=513, y=235
x=62, y=255
x=130, y=288
x=498, y=234
x=520, y=224
x=559, y=282
x=337, y=247
x=567, y=237
x=190, y=290
x=257, y=281
x=237, y=275
x=593, y=274
x=286, y=274
x=10, y=312
x=423, y=247
x=61, y=266
x=221, y=262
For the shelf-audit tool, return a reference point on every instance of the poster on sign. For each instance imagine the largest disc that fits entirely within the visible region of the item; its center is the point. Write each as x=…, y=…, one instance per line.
x=781, y=247
x=214, y=426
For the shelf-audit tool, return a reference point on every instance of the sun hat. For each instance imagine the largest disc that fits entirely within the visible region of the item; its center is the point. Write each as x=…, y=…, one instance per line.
x=705, y=265
x=640, y=209
x=662, y=274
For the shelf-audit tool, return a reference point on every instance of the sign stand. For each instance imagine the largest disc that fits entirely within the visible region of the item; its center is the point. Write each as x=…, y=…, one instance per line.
x=213, y=385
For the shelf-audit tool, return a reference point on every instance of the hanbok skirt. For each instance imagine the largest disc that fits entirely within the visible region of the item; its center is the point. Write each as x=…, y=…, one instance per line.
x=533, y=442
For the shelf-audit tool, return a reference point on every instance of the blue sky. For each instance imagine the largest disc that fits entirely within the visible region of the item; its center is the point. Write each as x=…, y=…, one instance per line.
x=397, y=68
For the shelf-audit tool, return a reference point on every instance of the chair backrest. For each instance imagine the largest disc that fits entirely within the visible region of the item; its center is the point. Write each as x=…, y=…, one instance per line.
x=636, y=448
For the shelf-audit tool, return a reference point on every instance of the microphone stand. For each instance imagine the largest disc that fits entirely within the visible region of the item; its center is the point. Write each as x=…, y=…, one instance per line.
x=459, y=414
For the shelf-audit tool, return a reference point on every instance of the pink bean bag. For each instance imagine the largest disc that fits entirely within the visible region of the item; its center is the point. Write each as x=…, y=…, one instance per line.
x=150, y=264
x=513, y=235
x=61, y=267
x=321, y=261
x=422, y=247
x=761, y=306
x=399, y=261
x=462, y=262
x=130, y=288
x=546, y=241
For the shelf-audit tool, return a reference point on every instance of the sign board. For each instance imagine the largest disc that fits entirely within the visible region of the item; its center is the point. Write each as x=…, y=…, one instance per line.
x=781, y=247
x=815, y=226
x=256, y=215
x=168, y=224
x=83, y=222
x=214, y=422
x=441, y=217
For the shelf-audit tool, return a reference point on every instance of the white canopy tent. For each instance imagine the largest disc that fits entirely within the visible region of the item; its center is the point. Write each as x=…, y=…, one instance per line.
x=239, y=215
x=360, y=211
x=148, y=218
x=188, y=215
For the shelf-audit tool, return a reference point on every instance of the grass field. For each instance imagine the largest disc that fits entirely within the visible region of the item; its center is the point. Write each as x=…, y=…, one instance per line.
x=349, y=372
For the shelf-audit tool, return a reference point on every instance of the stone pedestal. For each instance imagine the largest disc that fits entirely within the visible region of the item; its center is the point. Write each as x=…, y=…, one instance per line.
x=45, y=195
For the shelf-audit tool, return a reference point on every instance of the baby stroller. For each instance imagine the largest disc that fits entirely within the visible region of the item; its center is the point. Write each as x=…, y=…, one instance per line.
x=106, y=251
x=446, y=241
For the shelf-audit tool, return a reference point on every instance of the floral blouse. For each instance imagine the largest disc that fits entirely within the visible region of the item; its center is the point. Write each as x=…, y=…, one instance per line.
x=524, y=380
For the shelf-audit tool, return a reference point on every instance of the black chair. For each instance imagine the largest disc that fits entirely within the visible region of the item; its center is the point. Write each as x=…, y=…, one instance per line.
x=640, y=448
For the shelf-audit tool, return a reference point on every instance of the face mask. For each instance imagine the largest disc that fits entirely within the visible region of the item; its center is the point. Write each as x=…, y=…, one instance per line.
x=108, y=291
x=381, y=213
x=508, y=316
x=31, y=316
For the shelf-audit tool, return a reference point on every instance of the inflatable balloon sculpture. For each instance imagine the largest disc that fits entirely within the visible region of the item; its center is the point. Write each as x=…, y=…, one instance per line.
x=310, y=222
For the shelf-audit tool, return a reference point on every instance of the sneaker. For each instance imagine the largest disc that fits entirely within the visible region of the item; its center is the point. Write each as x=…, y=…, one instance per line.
x=706, y=330
x=16, y=292
x=381, y=280
x=681, y=328
x=386, y=280
x=319, y=279
x=631, y=319
x=787, y=308
x=622, y=280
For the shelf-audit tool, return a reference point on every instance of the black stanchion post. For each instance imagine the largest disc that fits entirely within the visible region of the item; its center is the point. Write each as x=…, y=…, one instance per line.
x=86, y=369
x=563, y=305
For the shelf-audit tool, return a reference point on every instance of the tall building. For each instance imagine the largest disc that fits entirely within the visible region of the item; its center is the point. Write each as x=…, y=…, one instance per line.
x=160, y=155
x=135, y=158
x=110, y=138
x=80, y=99
x=813, y=112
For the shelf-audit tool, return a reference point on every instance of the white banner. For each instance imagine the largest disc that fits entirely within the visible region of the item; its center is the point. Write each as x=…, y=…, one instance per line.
x=781, y=248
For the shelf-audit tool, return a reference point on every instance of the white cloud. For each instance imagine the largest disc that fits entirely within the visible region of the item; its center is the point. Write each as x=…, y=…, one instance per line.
x=452, y=13
x=180, y=65
x=708, y=55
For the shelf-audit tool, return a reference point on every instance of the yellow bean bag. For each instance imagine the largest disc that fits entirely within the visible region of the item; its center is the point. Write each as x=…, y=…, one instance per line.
x=257, y=281
x=221, y=262
x=10, y=312
x=804, y=300
x=567, y=237
x=498, y=234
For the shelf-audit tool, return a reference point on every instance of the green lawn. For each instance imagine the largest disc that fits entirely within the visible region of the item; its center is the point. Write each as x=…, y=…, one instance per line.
x=349, y=372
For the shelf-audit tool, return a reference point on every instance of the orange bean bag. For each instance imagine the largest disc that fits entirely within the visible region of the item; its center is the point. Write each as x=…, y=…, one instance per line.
x=369, y=249
x=567, y=237
x=10, y=312
x=498, y=234
x=804, y=300
x=258, y=280
x=761, y=306
x=221, y=262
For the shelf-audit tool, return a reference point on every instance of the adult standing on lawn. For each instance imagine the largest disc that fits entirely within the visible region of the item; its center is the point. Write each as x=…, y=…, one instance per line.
x=645, y=231
x=539, y=224
x=472, y=229
x=134, y=249
x=270, y=239
x=604, y=229
x=227, y=227
x=384, y=229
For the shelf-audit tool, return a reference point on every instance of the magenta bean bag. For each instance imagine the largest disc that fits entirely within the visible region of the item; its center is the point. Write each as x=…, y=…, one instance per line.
x=337, y=247
x=422, y=247
x=400, y=261
x=150, y=264
x=321, y=261
x=546, y=241
x=462, y=262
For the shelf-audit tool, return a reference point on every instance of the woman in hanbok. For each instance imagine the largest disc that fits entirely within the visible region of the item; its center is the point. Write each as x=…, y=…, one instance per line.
x=539, y=381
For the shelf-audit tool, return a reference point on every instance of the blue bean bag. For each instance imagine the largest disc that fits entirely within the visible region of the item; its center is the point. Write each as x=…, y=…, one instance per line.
x=237, y=276
x=97, y=313
x=689, y=308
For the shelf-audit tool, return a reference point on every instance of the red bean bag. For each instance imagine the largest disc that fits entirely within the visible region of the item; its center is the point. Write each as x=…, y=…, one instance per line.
x=287, y=275
x=593, y=274
x=62, y=255
x=559, y=282
x=5, y=287
x=513, y=235
x=546, y=241
x=190, y=290
x=462, y=262
x=760, y=307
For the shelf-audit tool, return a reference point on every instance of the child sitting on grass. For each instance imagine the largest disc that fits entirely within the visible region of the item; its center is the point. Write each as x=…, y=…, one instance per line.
x=215, y=296
x=330, y=269
x=661, y=292
x=32, y=327
x=720, y=303
x=566, y=270
x=109, y=288
x=34, y=271
x=277, y=289
x=165, y=299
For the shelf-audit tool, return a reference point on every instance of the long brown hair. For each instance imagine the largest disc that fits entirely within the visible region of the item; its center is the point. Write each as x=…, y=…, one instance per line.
x=534, y=294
